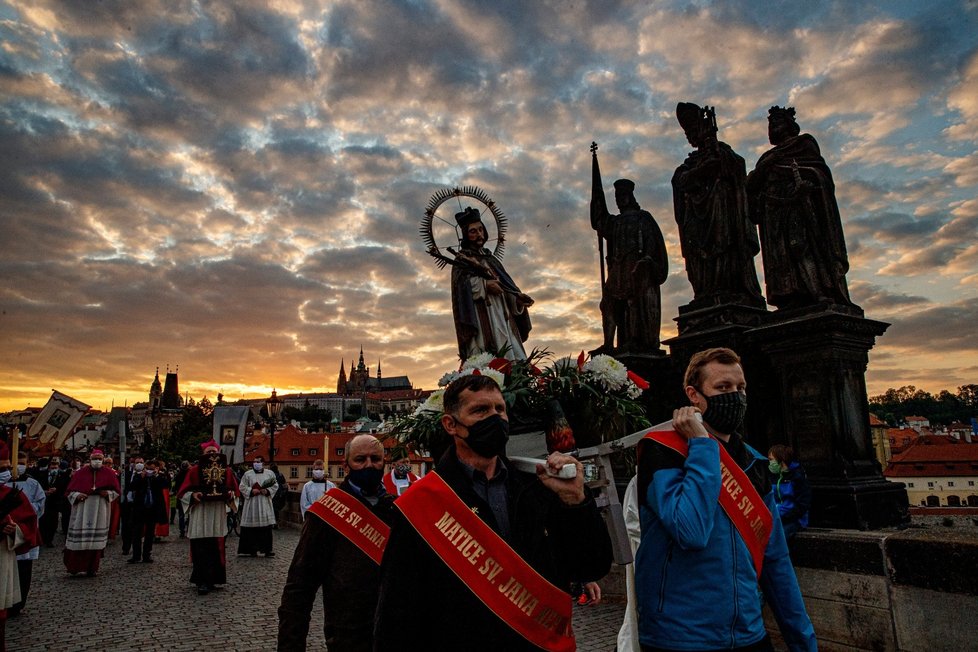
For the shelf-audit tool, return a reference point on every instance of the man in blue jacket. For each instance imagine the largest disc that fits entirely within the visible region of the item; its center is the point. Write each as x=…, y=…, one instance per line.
x=696, y=570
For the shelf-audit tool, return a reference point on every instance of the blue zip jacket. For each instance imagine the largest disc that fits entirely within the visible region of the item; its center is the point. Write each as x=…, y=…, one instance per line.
x=793, y=495
x=694, y=576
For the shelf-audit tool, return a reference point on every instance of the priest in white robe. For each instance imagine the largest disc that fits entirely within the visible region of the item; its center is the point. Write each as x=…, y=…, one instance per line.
x=90, y=493
x=19, y=532
x=315, y=488
x=258, y=485
x=208, y=489
x=35, y=494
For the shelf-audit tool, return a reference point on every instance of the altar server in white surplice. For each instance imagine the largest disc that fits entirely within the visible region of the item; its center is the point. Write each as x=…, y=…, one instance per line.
x=258, y=485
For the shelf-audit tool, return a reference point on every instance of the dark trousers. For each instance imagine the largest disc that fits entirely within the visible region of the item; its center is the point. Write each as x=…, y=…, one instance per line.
x=65, y=517
x=255, y=539
x=207, y=556
x=183, y=518
x=48, y=524
x=345, y=639
x=25, y=568
x=126, y=525
x=143, y=533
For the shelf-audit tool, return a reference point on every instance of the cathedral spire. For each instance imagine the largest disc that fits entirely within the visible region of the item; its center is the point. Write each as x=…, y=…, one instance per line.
x=378, y=369
x=341, y=381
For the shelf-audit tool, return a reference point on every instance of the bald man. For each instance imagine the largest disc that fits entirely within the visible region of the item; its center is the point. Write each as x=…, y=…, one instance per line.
x=339, y=550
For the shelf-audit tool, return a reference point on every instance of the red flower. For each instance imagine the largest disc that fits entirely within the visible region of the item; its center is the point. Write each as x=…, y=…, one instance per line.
x=638, y=380
x=580, y=361
x=502, y=365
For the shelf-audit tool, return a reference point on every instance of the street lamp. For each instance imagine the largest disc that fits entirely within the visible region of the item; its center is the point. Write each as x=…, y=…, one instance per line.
x=274, y=407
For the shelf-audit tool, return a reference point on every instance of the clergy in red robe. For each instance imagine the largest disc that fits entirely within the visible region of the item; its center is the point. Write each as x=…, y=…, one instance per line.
x=90, y=493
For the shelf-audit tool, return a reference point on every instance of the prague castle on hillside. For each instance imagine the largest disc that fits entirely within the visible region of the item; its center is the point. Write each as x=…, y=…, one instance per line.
x=374, y=394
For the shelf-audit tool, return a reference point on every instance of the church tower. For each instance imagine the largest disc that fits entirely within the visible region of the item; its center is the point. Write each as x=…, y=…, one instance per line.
x=341, y=381
x=379, y=376
x=155, y=391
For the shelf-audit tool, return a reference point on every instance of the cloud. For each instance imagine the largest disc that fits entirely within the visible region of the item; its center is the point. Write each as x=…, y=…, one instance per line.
x=955, y=322
x=238, y=188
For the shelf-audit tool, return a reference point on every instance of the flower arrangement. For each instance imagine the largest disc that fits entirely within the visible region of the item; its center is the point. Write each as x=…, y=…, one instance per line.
x=576, y=403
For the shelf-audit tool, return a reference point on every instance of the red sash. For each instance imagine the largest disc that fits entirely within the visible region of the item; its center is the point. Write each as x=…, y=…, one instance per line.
x=535, y=609
x=354, y=520
x=738, y=497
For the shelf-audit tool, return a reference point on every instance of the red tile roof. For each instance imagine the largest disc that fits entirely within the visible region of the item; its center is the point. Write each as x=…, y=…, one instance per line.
x=289, y=438
x=935, y=455
x=875, y=420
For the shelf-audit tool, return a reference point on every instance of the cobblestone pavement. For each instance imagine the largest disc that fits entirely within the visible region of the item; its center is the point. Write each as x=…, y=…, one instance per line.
x=154, y=606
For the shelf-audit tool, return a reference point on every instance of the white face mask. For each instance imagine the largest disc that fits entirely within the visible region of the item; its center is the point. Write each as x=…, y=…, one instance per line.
x=258, y=466
x=140, y=466
x=150, y=472
x=5, y=475
x=96, y=464
x=318, y=473
x=21, y=469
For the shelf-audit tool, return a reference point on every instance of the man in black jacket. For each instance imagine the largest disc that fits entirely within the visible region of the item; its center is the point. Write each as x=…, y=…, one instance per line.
x=54, y=481
x=327, y=558
x=148, y=509
x=552, y=524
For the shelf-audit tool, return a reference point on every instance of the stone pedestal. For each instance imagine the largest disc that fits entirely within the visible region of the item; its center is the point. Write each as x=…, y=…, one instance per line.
x=698, y=316
x=814, y=398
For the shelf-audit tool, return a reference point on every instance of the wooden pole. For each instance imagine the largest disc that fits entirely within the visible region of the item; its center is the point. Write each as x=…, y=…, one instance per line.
x=14, y=449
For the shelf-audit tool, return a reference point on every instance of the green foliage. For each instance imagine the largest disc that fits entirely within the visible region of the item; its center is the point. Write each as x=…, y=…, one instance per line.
x=894, y=405
x=595, y=413
x=185, y=437
x=311, y=417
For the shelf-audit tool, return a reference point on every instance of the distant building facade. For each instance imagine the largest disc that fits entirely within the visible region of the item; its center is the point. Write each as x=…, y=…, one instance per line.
x=938, y=470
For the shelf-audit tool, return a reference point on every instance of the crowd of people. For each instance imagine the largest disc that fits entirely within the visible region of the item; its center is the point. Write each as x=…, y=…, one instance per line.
x=497, y=553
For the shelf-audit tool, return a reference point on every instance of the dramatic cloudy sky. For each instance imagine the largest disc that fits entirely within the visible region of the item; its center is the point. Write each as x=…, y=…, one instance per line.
x=235, y=187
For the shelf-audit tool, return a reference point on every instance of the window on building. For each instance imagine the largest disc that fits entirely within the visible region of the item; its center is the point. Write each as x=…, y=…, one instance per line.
x=910, y=485
x=308, y=472
x=339, y=472
x=293, y=472
x=930, y=485
x=339, y=452
x=971, y=483
x=296, y=452
x=314, y=451
x=950, y=483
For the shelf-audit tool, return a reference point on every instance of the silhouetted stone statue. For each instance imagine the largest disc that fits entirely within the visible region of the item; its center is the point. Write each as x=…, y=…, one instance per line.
x=637, y=266
x=489, y=309
x=791, y=198
x=718, y=240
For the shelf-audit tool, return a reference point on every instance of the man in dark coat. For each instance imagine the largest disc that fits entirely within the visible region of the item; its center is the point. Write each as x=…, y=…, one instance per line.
x=328, y=559
x=54, y=481
x=551, y=523
x=148, y=509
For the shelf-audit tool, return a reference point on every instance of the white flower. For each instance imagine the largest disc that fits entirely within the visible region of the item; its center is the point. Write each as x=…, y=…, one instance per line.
x=434, y=403
x=632, y=390
x=495, y=375
x=446, y=380
x=607, y=371
x=478, y=361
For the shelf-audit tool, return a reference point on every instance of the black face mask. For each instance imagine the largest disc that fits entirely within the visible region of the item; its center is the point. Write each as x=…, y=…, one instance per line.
x=725, y=412
x=487, y=438
x=367, y=479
